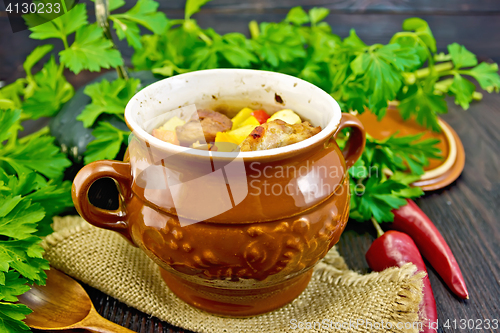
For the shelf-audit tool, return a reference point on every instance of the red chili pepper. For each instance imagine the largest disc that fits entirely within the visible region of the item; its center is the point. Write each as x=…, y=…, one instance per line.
x=411, y=220
x=261, y=116
x=395, y=248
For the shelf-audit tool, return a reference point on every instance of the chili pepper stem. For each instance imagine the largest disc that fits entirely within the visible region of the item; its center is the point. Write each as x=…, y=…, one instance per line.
x=380, y=232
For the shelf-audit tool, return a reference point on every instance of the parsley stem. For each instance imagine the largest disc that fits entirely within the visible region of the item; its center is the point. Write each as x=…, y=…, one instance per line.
x=429, y=56
x=13, y=137
x=411, y=77
x=374, y=47
x=102, y=18
x=416, y=37
x=380, y=232
x=171, y=23
x=65, y=42
x=204, y=38
x=253, y=26
x=42, y=131
x=60, y=70
x=454, y=72
x=24, y=117
x=442, y=87
x=424, y=72
x=446, y=73
x=120, y=116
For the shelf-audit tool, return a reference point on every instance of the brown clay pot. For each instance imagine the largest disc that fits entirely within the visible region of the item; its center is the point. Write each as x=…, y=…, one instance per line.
x=234, y=234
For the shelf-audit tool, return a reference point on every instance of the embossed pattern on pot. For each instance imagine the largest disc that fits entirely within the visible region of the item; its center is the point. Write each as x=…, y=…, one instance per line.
x=249, y=251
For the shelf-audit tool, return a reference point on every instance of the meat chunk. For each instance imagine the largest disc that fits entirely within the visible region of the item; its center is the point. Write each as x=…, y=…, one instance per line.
x=277, y=133
x=166, y=135
x=211, y=122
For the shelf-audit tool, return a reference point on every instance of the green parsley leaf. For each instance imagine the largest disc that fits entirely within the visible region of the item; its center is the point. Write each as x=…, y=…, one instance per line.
x=234, y=48
x=423, y=31
x=181, y=42
x=312, y=72
x=107, y=97
x=168, y=68
x=463, y=89
x=318, y=14
x=8, y=119
x=423, y=104
x=151, y=53
x=297, y=16
x=278, y=43
x=383, y=80
x=126, y=29
x=19, y=223
x=10, y=95
x=375, y=195
x=397, y=152
x=107, y=144
x=407, y=179
x=359, y=169
x=35, y=56
x=412, y=43
x=11, y=316
x=323, y=45
x=193, y=7
x=377, y=199
x=487, y=76
x=461, y=57
x=403, y=58
x=13, y=286
x=19, y=250
x=48, y=92
x=60, y=27
x=90, y=51
x=17, y=186
x=353, y=41
x=115, y=4
x=230, y=50
x=54, y=196
x=143, y=13
x=38, y=154
x=25, y=256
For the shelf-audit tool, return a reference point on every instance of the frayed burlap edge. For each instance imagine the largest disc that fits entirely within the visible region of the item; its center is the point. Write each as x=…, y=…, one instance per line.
x=336, y=299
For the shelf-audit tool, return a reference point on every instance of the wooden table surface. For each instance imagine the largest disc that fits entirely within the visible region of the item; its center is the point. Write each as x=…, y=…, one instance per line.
x=466, y=212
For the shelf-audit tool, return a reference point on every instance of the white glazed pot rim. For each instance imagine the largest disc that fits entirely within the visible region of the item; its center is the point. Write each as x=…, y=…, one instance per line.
x=326, y=132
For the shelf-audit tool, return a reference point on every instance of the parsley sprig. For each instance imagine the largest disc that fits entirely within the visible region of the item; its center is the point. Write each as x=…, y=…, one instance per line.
x=31, y=193
x=381, y=179
x=408, y=69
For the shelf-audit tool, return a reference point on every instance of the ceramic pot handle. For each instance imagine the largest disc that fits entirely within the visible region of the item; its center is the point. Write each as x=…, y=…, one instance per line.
x=116, y=220
x=356, y=142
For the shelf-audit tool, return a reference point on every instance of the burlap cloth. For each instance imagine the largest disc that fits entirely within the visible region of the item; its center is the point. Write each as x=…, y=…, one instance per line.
x=337, y=298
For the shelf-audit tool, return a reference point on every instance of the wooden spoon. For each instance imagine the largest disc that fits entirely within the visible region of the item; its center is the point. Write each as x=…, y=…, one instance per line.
x=63, y=304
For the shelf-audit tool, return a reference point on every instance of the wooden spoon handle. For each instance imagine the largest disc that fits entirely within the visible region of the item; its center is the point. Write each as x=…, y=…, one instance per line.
x=95, y=323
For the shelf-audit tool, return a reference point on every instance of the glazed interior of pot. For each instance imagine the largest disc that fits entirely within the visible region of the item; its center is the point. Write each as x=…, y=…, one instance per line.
x=228, y=91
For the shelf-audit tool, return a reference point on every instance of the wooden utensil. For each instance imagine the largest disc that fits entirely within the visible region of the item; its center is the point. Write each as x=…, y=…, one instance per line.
x=63, y=304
